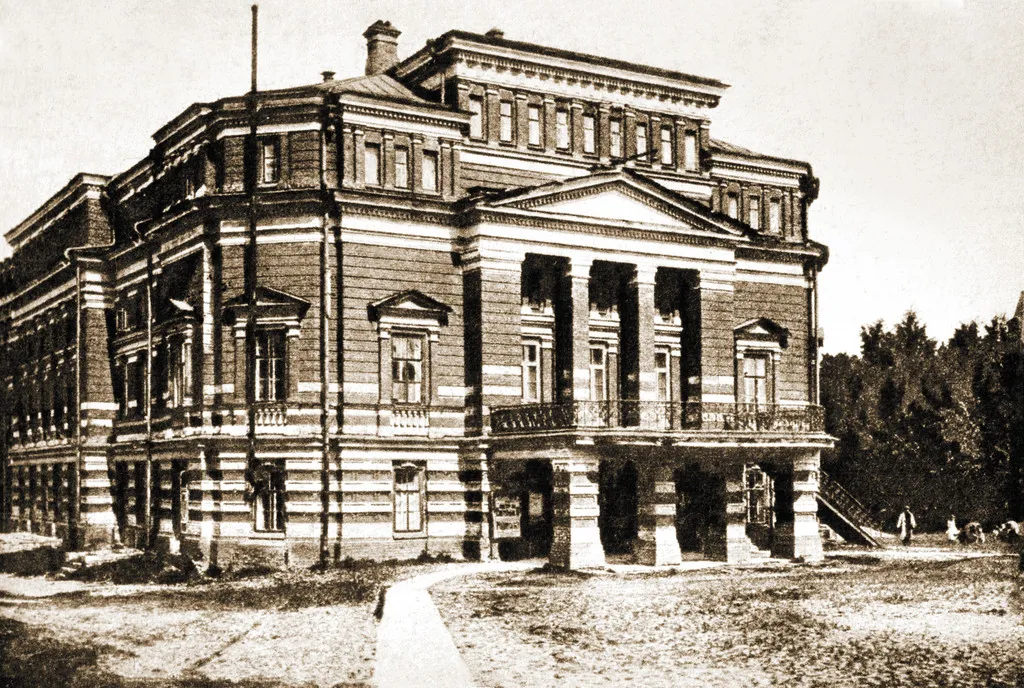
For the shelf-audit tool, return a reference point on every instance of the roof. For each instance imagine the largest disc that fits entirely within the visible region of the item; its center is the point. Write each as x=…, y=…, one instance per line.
x=379, y=86
x=733, y=149
x=502, y=42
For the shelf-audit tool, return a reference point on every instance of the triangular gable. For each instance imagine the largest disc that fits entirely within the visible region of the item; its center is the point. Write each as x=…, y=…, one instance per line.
x=270, y=303
x=620, y=196
x=762, y=330
x=410, y=303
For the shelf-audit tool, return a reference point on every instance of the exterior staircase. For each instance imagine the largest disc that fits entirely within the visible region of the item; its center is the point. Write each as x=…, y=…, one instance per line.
x=844, y=514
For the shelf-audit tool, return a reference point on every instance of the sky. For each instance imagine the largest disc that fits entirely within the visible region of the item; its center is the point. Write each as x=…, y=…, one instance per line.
x=910, y=111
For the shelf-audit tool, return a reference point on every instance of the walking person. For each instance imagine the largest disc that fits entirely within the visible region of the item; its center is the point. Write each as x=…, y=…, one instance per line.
x=906, y=524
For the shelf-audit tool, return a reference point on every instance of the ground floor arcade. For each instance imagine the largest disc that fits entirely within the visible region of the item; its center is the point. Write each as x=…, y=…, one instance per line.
x=655, y=505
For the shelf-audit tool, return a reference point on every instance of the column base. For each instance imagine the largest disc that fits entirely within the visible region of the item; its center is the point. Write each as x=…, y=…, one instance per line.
x=660, y=548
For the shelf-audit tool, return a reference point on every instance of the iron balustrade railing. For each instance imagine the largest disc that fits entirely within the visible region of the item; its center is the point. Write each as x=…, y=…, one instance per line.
x=657, y=416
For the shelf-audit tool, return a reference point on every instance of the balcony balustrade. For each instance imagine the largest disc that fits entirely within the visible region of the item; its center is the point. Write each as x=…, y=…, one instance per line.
x=271, y=414
x=661, y=416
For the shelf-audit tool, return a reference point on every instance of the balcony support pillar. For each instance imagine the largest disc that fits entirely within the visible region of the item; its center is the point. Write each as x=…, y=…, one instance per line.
x=727, y=538
x=796, y=533
x=576, y=539
x=641, y=291
x=657, y=544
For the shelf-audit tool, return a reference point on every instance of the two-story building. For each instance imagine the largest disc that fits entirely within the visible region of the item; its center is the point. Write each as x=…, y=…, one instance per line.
x=495, y=298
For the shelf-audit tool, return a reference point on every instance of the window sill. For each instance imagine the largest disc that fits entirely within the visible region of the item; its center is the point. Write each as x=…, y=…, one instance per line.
x=416, y=535
x=268, y=535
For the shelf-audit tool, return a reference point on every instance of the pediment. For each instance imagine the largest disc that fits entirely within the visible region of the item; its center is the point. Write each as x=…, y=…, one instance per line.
x=270, y=303
x=410, y=304
x=620, y=196
x=763, y=330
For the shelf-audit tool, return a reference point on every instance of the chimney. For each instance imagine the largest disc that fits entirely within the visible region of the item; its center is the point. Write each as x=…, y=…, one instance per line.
x=328, y=76
x=381, y=47
x=495, y=33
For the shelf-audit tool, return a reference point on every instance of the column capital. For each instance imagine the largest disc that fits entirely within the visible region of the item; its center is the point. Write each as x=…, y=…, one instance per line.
x=644, y=274
x=579, y=268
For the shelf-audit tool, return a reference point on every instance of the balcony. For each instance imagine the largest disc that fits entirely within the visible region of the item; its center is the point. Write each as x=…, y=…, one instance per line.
x=657, y=416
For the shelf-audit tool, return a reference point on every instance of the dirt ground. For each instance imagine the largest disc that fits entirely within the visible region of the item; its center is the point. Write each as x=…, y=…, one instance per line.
x=296, y=628
x=911, y=618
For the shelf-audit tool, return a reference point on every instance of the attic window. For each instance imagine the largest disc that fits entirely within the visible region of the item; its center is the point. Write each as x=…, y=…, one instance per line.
x=270, y=160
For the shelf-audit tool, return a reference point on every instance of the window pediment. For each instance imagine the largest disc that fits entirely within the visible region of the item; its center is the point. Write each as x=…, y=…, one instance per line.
x=410, y=306
x=271, y=304
x=762, y=330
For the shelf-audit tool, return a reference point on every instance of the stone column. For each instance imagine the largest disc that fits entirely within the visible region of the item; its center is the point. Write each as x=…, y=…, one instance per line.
x=573, y=324
x=727, y=539
x=657, y=544
x=806, y=538
x=577, y=538
x=642, y=288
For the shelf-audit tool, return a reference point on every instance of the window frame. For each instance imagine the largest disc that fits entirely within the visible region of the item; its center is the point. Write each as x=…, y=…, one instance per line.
x=663, y=373
x=532, y=390
x=615, y=138
x=402, y=167
x=602, y=367
x=754, y=212
x=775, y=216
x=535, y=126
x=563, y=128
x=417, y=364
x=690, y=151
x=506, y=130
x=476, y=117
x=279, y=368
x=269, y=512
x=643, y=150
x=375, y=180
x=666, y=150
x=274, y=143
x=400, y=495
x=435, y=164
x=732, y=205
x=766, y=378
x=589, y=124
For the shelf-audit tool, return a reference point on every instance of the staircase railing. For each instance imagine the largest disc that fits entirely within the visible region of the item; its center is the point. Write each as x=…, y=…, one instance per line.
x=837, y=495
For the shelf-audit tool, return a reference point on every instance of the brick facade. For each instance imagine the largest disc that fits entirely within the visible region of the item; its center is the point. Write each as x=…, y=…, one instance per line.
x=538, y=305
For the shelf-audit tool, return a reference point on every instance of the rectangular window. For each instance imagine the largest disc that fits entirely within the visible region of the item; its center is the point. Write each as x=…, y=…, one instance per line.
x=533, y=114
x=598, y=372
x=402, y=167
x=754, y=212
x=732, y=206
x=589, y=137
x=531, y=371
x=270, y=160
x=505, y=121
x=666, y=146
x=775, y=216
x=690, y=151
x=755, y=379
x=476, y=117
x=409, y=489
x=663, y=374
x=615, y=136
x=562, y=129
x=269, y=503
x=270, y=372
x=371, y=164
x=429, y=171
x=179, y=371
x=641, y=138
x=406, y=369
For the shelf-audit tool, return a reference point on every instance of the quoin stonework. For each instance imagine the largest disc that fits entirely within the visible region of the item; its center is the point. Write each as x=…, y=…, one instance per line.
x=504, y=300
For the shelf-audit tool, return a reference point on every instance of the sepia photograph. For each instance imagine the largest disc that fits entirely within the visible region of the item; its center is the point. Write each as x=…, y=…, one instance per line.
x=401, y=344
